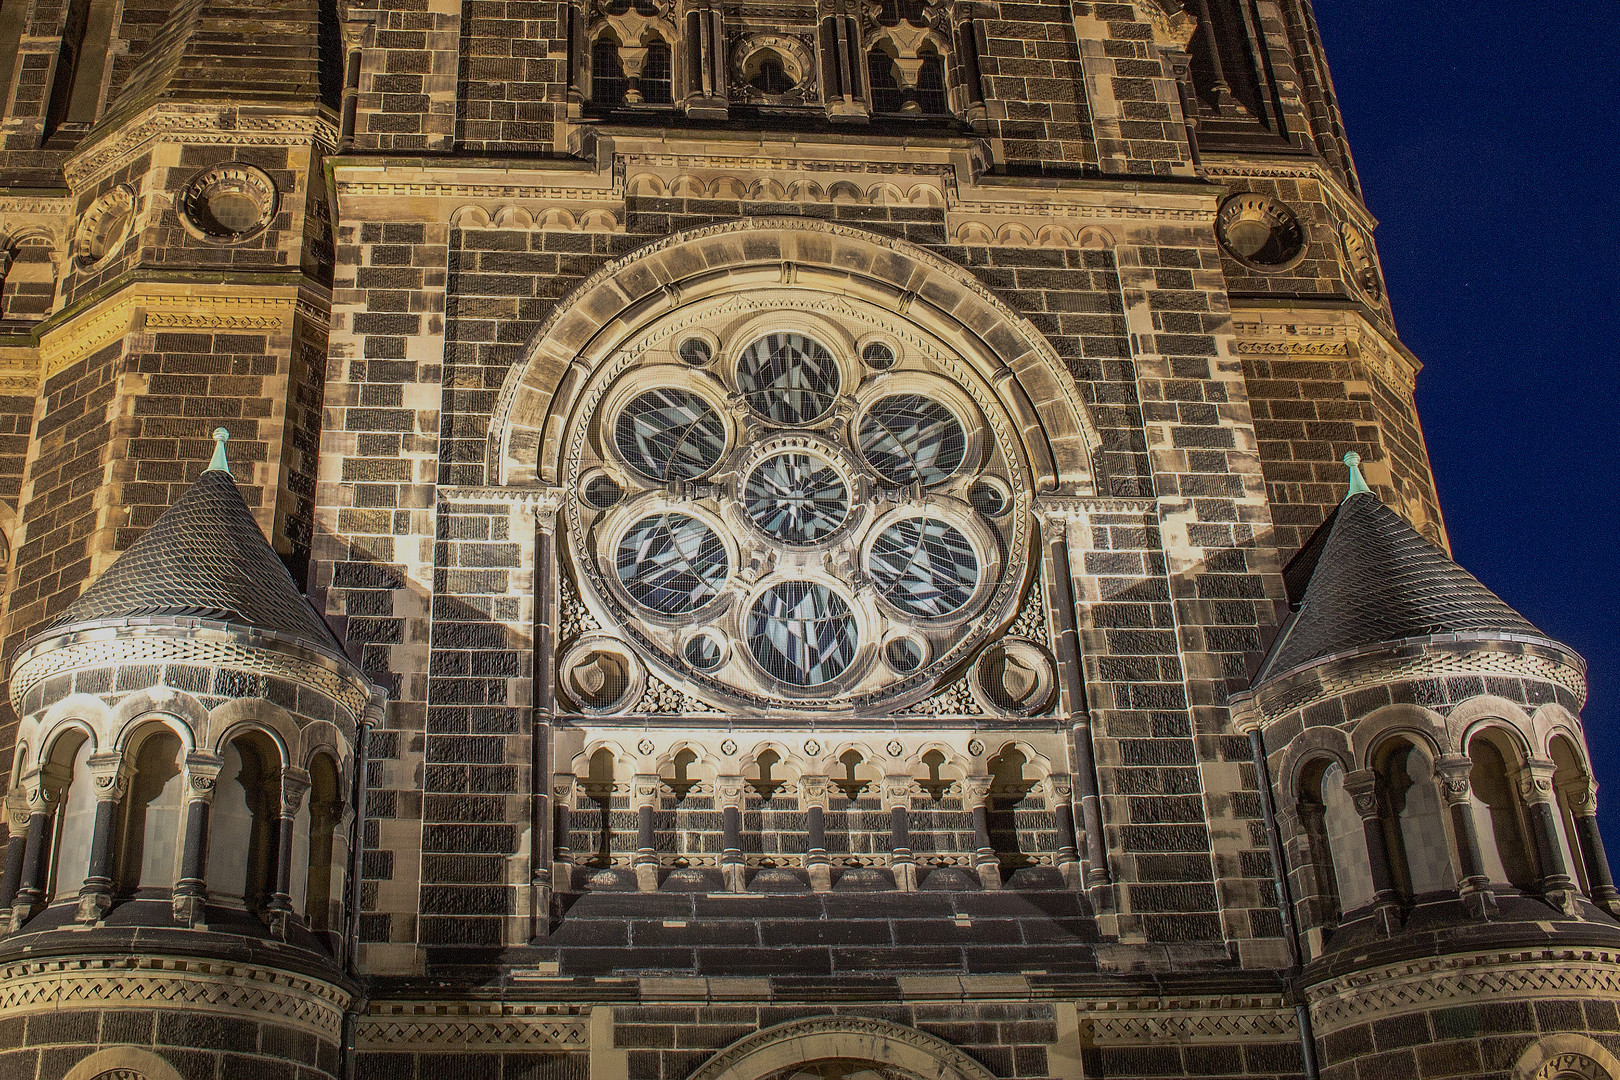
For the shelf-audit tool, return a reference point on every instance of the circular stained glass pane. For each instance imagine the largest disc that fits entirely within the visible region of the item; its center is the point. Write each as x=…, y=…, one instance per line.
x=602, y=492
x=801, y=633
x=878, y=356
x=671, y=563
x=796, y=498
x=924, y=567
x=905, y=655
x=670, y=434
x=704, y=652
x=696, y=351
x=788, y=378
x=909, y=439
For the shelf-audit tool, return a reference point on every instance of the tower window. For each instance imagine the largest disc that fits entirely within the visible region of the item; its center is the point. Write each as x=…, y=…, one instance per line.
x=886, y=97
x=608, y=83
x=655, y=75
x=931, y=87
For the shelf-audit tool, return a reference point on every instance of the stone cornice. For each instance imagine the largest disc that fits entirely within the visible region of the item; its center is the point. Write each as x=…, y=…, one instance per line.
x=1224, y=167
x=1340, y=331
x=175, y=306
x=198, y=124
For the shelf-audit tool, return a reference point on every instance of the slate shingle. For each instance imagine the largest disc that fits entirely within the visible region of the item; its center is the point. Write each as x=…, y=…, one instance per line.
x=204, y=558
x=1366, y=577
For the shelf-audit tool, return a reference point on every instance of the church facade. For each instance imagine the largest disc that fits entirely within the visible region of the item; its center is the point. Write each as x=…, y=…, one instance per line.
x=748, y=540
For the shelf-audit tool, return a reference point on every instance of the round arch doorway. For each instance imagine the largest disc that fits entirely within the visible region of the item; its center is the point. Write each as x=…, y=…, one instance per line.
x=841, y=1048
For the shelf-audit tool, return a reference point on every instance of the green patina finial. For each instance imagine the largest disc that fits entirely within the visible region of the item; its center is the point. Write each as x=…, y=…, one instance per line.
x=1358, y=483
x=219, y=463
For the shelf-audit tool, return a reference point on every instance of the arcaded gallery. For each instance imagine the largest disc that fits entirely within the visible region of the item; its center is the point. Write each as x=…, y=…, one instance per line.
x=747, y=540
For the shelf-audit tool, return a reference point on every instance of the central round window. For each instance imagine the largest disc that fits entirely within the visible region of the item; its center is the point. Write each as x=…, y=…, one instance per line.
x=810, y=516
x=796, y=498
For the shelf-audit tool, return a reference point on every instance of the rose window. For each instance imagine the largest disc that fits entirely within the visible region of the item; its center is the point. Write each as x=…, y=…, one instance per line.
x=817, y=515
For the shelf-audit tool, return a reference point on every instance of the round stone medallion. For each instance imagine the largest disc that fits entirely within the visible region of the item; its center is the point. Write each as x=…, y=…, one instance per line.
x=228, y=203
x=1260, y=232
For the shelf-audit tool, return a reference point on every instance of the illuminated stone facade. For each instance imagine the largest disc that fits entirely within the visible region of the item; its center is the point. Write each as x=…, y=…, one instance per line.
x=757, y=541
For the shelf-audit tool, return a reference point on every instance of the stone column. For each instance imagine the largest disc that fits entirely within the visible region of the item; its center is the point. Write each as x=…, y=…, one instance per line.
x=191, y=890
x=985, y=863
x=294, y=786
x=644, y=797
x=1362, y=787
x=1060, y=796
x=729, y=795
x=1083, y=783
x=111, y=778
x=702, y=89
x=541, y=836
x=842, y=59
x=40, y=808
x=1599, y=878
x=1451, y=773
x=562, y=853
x=16, y=850
x=817, y=863
x=1541, y=808
x=902, y=863
x=967, y=33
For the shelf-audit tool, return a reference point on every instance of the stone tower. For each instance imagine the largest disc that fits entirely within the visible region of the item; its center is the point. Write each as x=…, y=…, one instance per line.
x=760, y=541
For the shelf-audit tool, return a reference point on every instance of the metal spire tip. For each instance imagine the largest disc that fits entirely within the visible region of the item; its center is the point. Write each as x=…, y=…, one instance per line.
x=1358, y=483
x=219, y=462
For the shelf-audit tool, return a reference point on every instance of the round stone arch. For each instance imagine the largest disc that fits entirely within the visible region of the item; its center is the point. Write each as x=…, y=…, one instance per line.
x=123, y=1063
x=536, y=403
x=881, y=1042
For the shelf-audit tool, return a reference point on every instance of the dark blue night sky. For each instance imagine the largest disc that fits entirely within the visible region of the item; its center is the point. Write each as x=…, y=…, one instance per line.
x=1485, y=140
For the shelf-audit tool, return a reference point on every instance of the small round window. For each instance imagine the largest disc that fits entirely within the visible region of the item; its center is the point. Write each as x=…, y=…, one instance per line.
x=788, y=378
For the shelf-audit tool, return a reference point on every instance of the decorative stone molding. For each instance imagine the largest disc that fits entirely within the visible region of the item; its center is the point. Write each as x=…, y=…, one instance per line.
x=197, y=126
x=184, y=984
x=1444, y=980
x=1567, y=1056
x=211, y=646
x=154, y=305
x=228, y=203
x=858, y=1038
x=422, y=1027
x=123, y=1063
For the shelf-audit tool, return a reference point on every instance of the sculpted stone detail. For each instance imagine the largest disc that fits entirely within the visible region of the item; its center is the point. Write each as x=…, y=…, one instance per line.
x=1481, y=977
x=158, y=982
x=856, y=1034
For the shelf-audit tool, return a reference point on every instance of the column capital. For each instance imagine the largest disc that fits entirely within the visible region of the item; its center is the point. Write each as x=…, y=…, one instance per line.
x=814, y=791
x=897, y=791
x=1452, y=776
x=1362, y=787
x=110, y=774
x=202, y=774
x=645, y=789
x=1059, y=787
x=728, y=791
x=35, y=796
x=1536, y=780
x=977, y=790
x=295, y=785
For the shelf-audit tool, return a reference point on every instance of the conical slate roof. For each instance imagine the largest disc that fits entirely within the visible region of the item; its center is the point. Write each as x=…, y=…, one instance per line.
x=1366, y=577
x=204, y=558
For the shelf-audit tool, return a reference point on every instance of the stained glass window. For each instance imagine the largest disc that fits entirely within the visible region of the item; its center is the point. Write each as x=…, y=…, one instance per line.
x=796, y=498
x=802, y=633
x=788, y=378
x=671, y=563
x=670, y=434
x=909, y=438
x=924, y=566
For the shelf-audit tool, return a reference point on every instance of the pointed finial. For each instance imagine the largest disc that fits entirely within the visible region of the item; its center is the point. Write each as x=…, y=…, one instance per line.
x=219, y=463
x=1358, y=484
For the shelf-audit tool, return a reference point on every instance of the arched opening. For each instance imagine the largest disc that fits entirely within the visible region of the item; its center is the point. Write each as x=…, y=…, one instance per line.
x=153, y=813
x=608, y=82
x=1499, y=812
x=1009, y=803
x=1571, y=784
x=764, y=781
x=656, y=72
x=314, y=875
x=766, y=72
x=681, y=781
x=596, y=817
x=29, y=291
x=931, y=97
x=1415, y=834
x=1338, y=849
x=66, y=775
x=886, y=95
x=933, y=782
x=244, y=822
x=855, y=817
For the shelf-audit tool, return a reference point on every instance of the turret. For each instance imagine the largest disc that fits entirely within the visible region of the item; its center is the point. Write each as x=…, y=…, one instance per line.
x=190, y=743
